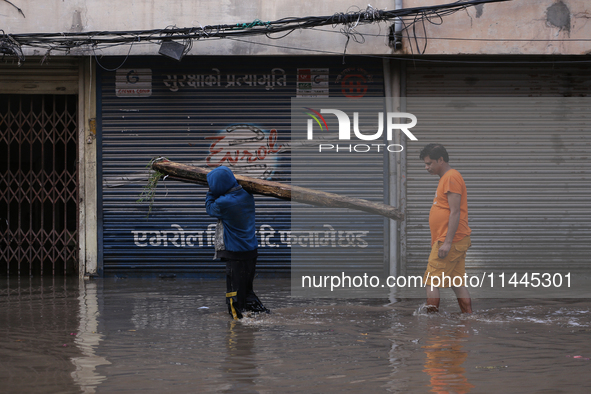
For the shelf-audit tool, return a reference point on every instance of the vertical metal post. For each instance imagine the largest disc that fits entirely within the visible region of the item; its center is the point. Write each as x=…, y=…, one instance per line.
x=402, y=174
x=392, y=91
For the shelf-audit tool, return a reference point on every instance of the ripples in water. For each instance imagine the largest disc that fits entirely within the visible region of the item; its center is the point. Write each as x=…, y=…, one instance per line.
x=156, y=336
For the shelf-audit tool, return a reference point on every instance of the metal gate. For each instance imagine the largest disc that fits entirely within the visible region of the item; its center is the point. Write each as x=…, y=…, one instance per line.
x=38, y=184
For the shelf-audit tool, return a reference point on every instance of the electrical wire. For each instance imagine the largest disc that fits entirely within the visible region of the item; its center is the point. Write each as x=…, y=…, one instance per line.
x=422, y=59
x=477, y=39
x=8, y=46
x=11, y=44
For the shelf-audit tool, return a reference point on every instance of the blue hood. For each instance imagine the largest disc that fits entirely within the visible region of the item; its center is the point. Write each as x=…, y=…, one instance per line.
x=220, y=180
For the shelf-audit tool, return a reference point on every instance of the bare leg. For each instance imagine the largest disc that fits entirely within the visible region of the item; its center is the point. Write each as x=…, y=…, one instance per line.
x=432, y=299
x=463, y=299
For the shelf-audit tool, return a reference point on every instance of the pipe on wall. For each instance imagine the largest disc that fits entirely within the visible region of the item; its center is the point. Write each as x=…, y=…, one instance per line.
x=398, y=27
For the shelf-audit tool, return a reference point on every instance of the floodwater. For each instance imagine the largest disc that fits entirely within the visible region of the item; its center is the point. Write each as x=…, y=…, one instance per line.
x=174, y=335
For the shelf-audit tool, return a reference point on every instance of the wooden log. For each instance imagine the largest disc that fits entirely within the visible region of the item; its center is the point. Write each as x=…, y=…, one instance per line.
x=192, y=174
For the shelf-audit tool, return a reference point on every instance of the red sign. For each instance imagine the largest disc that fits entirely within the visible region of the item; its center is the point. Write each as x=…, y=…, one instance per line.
x=354, y=85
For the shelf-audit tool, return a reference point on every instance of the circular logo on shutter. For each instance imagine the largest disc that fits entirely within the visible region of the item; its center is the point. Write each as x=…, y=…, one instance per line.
x=354, y=82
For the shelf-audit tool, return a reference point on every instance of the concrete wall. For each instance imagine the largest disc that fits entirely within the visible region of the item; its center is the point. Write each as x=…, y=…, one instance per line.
x=115, y=15
x=535, y=26
x=538, y=25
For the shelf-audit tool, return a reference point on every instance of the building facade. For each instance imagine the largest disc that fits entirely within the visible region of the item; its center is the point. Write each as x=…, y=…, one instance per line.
x=502, y=84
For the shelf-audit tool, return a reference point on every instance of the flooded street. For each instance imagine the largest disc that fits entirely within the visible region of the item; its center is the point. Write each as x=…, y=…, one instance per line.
x=174, y=335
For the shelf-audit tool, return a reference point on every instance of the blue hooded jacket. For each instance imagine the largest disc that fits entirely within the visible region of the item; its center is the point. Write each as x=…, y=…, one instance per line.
x=228, y=201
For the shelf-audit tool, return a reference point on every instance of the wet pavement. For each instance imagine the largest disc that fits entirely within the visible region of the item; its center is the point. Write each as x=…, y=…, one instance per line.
x=174, y=335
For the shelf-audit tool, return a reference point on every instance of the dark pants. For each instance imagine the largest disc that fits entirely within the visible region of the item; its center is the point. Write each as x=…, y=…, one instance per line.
x=240, y=296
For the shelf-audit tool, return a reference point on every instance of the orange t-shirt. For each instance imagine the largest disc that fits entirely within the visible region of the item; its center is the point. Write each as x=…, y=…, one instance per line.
x=453, y=182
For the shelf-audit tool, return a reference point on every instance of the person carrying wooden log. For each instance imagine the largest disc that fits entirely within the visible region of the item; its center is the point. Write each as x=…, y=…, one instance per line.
x=235, y=239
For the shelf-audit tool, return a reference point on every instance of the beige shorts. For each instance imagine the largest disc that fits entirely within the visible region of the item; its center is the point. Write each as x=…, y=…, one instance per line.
x=451, y=266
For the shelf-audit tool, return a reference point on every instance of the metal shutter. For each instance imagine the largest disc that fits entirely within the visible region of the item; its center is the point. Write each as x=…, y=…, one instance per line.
x=527, y=177
x=178, y=115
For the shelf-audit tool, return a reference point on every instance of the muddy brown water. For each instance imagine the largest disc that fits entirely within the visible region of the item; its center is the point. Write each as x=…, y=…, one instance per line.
x=157, y=336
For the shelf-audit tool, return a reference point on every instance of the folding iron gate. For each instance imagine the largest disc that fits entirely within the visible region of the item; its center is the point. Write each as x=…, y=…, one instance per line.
x=38, y=184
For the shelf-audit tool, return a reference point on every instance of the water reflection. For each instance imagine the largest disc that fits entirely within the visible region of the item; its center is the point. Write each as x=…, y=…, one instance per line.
x=239, y=369
x=88, y=340
x=38, y=323
x=444, y=359
x=155, y=336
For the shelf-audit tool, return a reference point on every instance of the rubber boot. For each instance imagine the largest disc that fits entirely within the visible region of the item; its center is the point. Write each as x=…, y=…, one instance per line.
x=235, y=297
x=253, y=303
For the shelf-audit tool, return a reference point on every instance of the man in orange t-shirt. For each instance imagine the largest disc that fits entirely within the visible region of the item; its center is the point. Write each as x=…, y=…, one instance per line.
x=450, y=234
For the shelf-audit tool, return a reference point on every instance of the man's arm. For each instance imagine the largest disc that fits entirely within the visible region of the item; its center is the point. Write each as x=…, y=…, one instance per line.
x=453, y=200
x=211, y=207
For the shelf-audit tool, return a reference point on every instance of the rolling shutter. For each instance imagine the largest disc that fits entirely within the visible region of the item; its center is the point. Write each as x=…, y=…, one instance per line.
x=519, y=135
x=203, y=111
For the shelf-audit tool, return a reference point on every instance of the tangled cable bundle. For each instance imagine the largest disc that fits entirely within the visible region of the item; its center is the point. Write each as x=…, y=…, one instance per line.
x=11, y=44
x=8, y=46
